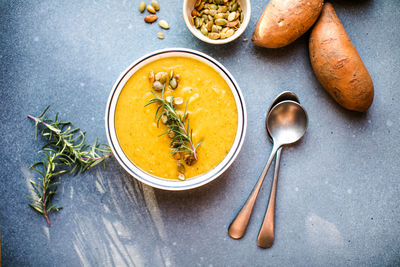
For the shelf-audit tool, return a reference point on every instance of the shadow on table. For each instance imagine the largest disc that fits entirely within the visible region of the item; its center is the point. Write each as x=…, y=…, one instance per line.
x=126, y=227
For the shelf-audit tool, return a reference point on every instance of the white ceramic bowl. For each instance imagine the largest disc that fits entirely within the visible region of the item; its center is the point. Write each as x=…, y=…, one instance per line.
x=169, y=184
x=188, y=6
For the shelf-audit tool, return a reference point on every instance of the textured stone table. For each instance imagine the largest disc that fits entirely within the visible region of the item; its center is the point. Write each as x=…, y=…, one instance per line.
x=338, y=197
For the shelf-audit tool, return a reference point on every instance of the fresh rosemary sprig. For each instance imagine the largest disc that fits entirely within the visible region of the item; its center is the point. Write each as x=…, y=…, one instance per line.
x=65, y=151
x=178, y=127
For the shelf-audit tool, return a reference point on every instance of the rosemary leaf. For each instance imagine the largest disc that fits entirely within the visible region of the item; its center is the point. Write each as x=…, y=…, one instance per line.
x=65, y=151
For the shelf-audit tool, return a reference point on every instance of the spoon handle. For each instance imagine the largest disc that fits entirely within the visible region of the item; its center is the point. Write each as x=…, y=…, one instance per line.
x=238, y=227
x=265, y=237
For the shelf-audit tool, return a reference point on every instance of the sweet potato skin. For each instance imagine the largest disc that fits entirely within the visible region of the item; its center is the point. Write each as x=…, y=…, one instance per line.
x=282, y=22
x=337, y=65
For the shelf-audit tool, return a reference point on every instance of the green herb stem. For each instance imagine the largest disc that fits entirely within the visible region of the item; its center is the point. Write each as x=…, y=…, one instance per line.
x=65, y=151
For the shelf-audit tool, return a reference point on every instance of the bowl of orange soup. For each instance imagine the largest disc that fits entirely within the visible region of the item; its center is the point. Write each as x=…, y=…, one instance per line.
x=176, y=119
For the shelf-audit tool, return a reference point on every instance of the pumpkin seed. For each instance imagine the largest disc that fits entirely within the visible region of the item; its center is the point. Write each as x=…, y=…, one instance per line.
x=216, y=28
x=164, y=119
x=200, y=7
x=171, y=134
x=160, y=35
x=222, y=9
x=163, y=24
x=155, y=4
x=209, y=25
x=231, y=16
x=232, y=23
x=171, y=74
x=219, y=16
x=213, y=35
x=151, y=9
x=230, y=32
x=150, y=18
x=169, y=99
x=161, y=76
x=173, y=83
x=181, y=177
x=142, y=6
x=189, y=159
x=151, y=77
x=197, y=22
x=221, y=22
x=234, y=7
x=157, y=86
x=181, y=167
x=204, y=30
x=178, y=100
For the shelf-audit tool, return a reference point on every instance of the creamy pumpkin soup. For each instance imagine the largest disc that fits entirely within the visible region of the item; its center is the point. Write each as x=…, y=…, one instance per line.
x=176, y=118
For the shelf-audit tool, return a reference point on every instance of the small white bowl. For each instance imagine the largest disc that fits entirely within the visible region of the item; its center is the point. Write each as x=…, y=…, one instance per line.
x=169, y=184
x=188, y=6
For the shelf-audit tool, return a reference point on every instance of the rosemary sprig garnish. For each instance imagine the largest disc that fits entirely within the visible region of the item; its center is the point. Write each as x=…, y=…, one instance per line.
x=178, y=127
x=65, y=151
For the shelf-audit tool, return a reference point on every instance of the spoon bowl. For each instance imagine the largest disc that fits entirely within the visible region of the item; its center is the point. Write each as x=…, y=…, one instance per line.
x=285, y=95
x=287, y=122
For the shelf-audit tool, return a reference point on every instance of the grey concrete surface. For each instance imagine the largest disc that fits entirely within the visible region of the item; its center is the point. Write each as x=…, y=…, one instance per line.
x=338, y=194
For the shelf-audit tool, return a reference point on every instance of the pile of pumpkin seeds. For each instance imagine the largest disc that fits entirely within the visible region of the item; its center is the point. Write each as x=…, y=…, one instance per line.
x=217, y=19
x=152, y=17
x=160, y=79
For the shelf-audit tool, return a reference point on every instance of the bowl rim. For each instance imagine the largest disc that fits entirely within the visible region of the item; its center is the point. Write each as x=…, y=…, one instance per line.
x=163, y=183
x=200, y=36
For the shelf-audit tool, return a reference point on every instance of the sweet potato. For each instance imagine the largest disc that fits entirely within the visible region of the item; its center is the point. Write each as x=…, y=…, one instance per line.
x=337, y=65
x=282, y=22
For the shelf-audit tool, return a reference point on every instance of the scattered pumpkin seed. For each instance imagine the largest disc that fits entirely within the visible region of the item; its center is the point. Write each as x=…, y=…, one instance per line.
x=151, y=77
x=160, y=35
x=181, y=167
x=151, y=9
x=161, y=76
x=157, y=86
x=163, y=24
x=171, y=134
x=155, y=5
x=142, y=6
x=150, y=18
x=169, y=99
x=181, y=177
x=178, y=100
x=173, y=83
x=164, y=119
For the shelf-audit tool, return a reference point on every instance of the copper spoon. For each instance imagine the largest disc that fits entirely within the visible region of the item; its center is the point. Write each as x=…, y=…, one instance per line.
x=266, y=233
x=287, y=123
